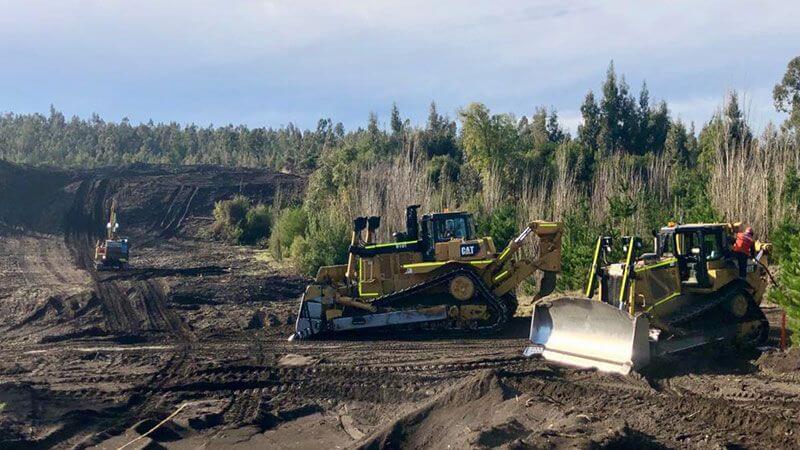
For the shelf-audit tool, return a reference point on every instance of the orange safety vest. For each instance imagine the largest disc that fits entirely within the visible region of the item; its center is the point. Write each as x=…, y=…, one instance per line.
x=743, y=244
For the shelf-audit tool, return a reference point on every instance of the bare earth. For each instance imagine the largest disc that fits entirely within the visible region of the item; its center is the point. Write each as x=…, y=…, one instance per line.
x=191, y=344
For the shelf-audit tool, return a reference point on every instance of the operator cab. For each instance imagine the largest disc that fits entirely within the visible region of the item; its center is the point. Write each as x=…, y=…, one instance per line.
x=451, y=236
x=445, y=236
x=694, y=247
x=448, y=226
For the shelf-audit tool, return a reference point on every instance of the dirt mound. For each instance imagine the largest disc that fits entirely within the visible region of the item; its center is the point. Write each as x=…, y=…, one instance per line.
x=443, y=419
x=781, y=362
x=483, y=411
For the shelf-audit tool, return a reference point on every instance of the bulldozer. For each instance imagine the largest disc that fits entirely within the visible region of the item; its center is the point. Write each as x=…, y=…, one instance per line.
x=684, y=294
x=112, y=253
x=436, y=276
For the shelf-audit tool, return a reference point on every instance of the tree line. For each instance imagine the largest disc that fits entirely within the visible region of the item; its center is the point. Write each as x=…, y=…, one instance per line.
x=629, y=167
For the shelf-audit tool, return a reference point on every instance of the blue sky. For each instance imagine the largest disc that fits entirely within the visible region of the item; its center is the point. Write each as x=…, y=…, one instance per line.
x=268, y=63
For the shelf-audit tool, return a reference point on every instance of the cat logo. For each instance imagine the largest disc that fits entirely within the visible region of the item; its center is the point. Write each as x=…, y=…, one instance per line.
x=469, y=249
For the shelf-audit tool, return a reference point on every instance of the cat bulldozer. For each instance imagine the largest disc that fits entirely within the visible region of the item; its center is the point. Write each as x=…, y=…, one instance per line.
x=685, y=294
x=111, y=253
x=436, y=276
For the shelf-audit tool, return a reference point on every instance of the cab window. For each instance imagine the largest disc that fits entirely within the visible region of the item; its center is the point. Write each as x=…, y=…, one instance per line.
x=711, y=245
x=666, y=244
x=454, y=228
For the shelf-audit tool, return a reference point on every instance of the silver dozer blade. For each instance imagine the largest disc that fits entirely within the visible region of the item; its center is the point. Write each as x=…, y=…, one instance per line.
x=589, y=333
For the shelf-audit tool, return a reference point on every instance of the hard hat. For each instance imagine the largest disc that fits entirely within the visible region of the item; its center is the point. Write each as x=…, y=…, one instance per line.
x=748, y=231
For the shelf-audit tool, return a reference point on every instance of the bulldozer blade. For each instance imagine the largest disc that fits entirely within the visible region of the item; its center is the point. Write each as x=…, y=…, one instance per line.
x=311, y=319
x=589, y=333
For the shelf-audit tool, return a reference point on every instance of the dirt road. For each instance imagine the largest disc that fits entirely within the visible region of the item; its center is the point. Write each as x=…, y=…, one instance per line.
x=188, y=349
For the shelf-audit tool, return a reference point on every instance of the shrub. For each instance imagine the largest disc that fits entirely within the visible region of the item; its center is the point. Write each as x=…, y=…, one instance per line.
x=326, y=243
x=443, y=169
x=501, y=225
x=299, y=247
x=290, y=223
x=256, y=225
x=781, y=238
x=236, y=220
x=229, y=215
x=577, y=248
x=788, y=293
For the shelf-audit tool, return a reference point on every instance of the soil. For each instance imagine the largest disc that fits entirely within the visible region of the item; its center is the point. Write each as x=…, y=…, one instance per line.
x=188, y=348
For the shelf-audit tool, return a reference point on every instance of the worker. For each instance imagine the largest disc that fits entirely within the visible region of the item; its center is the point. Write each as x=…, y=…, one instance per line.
x=744, y=248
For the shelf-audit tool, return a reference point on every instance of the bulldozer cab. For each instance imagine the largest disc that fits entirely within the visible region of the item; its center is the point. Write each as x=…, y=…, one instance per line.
x=694, y=247
x=449, y=226
x=451, y=237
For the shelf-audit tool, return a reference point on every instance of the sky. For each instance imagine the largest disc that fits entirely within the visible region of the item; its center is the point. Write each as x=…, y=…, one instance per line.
x=269, y=63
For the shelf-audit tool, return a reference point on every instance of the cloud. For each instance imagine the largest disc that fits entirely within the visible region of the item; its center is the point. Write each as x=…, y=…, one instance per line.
x=280, y=61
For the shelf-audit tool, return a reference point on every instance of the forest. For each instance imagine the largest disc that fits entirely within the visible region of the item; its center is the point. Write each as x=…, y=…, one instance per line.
x=629, y=168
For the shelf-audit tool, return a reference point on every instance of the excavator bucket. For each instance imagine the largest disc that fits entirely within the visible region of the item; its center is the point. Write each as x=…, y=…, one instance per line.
x=589, y=333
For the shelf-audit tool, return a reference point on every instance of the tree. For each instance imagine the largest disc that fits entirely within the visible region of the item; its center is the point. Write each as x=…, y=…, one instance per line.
x=788, y=293
x=439, y=136
x=589, y=130
x=787, y=93
x=372, y=126
x=643, y=132
x=610, y=115
x=554, y=132
x=538, y=128
x=488, y=140
x=658, y=128
x=396, y=121
x=739, y=134
x=434, y=119
x=676, y=146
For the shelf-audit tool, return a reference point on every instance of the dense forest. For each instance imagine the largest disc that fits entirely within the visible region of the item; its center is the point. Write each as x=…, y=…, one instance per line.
x=630, y=167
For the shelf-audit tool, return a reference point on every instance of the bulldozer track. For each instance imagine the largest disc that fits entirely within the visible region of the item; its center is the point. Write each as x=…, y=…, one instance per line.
x=446, y=274
x=681, y=323
x=705, y=305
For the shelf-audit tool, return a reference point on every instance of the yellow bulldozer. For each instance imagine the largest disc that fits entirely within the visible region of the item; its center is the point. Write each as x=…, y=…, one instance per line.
x=437, y=275
x=684, y=294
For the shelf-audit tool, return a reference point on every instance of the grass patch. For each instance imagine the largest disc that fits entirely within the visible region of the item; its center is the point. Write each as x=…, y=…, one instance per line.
x=265, y=263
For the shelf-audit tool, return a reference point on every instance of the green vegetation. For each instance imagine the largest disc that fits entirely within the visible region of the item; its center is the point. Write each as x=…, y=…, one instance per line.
x=627, y=169
x=500, y=224
x=325, y=243
x=787, y=94
x=291, y=223
x=237, y=220
x=788, y=293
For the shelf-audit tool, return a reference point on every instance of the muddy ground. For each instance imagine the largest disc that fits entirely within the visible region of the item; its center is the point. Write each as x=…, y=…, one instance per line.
x=192, y=342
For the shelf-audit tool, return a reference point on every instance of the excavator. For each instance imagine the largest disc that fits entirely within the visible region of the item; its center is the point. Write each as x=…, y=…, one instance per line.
x=684, y=294
x=437, y=275
x=113, y=252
